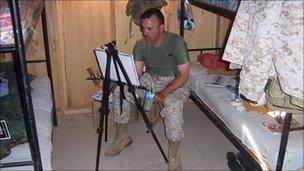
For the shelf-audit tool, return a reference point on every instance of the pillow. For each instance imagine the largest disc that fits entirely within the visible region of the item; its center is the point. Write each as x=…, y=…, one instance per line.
x=211, y=60
x=197, y=69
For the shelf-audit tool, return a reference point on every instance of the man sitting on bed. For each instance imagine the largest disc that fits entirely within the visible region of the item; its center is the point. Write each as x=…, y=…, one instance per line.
x=166, y=60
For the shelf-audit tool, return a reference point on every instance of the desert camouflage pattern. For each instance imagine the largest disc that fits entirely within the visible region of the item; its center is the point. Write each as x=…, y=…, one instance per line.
x=267, y=40
x=172, y=112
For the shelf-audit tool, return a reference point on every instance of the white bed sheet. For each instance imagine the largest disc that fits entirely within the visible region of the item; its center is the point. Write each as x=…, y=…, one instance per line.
x=247, y=125
x=42, y=104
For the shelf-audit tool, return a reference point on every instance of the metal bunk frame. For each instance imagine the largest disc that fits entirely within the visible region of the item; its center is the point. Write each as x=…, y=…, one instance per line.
x=214, y=118
x=220, y=11
x=238, y=143
x=24, y=86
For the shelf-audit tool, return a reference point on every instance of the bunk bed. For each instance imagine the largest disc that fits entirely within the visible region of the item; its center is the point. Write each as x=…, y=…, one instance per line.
x=225, y=9
x=265, y=150
x=36, y=97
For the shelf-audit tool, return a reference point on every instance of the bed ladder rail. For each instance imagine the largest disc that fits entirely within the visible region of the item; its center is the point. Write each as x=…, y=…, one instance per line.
x=284, y=140
x=25, y=94
x=16, y=164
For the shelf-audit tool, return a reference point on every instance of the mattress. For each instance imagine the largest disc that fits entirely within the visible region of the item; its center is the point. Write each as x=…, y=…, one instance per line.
x=29, y=12
x=42, y=104
x=247, y=125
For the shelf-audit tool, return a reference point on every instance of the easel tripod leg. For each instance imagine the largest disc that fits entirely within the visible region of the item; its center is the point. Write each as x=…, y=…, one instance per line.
x=100, y=131
x=149, y=125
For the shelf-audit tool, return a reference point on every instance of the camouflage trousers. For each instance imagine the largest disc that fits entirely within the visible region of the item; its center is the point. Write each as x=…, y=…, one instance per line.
x=172, y=113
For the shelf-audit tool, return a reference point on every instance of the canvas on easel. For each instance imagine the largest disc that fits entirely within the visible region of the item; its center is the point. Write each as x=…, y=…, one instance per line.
x=126, y=60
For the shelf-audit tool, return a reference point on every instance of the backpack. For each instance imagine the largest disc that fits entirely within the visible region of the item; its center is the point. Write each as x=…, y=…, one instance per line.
x=276, y=99
x=136, y=7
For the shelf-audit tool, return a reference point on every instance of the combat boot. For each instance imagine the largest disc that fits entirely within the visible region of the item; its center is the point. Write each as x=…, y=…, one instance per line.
x=121, y=140
x=175, y=162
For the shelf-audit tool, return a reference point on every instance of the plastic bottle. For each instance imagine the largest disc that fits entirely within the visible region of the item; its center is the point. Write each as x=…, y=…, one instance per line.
x=149, y=99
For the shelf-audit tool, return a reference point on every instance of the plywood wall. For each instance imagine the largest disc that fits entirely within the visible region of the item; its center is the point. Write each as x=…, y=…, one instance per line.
x=35, y=51
x=77, y=27
x=85, y=27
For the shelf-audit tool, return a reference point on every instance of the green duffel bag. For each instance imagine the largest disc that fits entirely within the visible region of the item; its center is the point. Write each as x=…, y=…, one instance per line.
x=11, y=111
x=276, y=99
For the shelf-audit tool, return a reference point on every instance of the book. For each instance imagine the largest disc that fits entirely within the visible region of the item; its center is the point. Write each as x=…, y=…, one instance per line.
x=275, y=125
x=4, y=132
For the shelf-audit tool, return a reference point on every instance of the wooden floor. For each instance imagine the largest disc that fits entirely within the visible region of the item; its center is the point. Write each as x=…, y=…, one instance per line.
x=203, y=148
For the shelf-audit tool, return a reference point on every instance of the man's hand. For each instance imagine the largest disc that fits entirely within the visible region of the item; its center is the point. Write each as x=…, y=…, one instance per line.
x=139, y=65
x=158, y=98
x=178, y=82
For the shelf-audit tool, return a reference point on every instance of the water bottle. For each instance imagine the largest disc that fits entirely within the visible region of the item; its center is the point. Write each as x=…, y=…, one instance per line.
x=149, y=100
